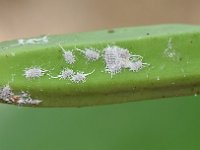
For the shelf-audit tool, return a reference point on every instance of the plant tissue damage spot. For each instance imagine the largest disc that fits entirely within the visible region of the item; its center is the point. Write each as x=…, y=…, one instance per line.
x=34, y=72
x=117, y=58
x=111, y=31
x=24, y=98
x=91, y=54
x=7, y=95
x=170, y=52
x=68, y=56
x=41, y=40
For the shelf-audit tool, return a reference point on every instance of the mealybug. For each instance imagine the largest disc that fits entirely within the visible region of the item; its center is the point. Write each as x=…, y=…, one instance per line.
x=91, y=54
x=80, y=77
x=34, y=72
x=137, y=65
x=6, y=93
x=117, y=58
x=68, y=56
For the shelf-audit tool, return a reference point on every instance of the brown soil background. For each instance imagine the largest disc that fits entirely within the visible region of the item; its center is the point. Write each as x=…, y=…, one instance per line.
x=26, y=18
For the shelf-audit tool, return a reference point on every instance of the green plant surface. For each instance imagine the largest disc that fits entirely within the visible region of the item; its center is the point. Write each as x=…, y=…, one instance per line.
x=165, y=77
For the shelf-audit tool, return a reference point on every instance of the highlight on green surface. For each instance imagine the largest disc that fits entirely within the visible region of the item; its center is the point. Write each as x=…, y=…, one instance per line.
x=102, y=67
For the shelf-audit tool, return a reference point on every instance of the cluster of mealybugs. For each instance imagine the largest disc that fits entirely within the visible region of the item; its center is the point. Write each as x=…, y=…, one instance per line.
x=116, y=58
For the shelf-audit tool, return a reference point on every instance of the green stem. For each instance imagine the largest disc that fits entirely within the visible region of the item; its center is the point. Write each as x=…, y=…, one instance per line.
x=165, y=77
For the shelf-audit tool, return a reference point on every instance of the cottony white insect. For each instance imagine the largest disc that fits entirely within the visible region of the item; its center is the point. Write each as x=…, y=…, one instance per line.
x=90, y=53
x=64, y=74
x=34, y=72
x=117, y=58
x=137, y=65
x=68, y=56
x=6, y=93
x=80, y=77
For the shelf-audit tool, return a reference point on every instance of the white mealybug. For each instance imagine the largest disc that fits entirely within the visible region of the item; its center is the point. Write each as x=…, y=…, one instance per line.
x=116, y=58
x=66, y=73
x=6, y=93
x=112, y=60
x=80, y=77
x=123, y=56
x=68, y=56
x=91, y=53
x=137, y=65
x=34, y=72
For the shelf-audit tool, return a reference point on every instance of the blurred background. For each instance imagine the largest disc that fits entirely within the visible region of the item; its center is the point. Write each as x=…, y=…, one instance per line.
x=171, y=124
x=26, y=18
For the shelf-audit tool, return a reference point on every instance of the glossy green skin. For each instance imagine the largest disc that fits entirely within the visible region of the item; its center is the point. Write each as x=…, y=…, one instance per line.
x=99, y=88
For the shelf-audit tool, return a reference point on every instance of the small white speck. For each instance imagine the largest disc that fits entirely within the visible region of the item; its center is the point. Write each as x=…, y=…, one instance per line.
x=195, y=94
x=34, y=72
x=158, y=78
x=68, y=56
x=183, y=71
